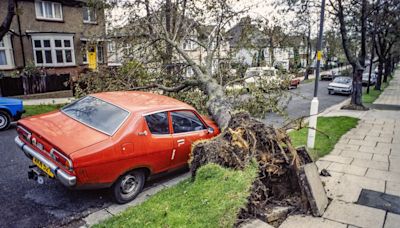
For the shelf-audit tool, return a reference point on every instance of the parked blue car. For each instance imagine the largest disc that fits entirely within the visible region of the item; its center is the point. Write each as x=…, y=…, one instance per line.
x=10, y=110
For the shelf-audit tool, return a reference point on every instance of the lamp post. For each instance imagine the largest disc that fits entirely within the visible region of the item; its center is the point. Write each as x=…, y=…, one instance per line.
x=314, y=103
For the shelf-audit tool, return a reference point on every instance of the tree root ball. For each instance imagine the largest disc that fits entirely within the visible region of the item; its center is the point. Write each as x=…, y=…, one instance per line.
x=246, y=140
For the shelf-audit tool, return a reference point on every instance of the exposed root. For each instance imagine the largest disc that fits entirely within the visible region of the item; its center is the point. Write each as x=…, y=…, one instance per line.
x=355, y=107
x=247, y=139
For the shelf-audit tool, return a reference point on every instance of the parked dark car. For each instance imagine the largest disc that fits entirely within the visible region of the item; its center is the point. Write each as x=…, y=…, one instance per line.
x=341, y=85
x=10, y=110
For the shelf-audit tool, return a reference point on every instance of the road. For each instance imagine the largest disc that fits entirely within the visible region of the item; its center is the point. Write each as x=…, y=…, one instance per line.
x=300, y=103
x=24, y=203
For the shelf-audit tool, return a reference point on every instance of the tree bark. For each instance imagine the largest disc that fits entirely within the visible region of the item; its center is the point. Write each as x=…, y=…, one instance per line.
x=379, y=78
x=5, y=26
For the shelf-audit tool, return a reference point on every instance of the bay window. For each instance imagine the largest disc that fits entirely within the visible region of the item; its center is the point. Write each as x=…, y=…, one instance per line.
x=53, y=50
x=48, y=10
x=6, y=53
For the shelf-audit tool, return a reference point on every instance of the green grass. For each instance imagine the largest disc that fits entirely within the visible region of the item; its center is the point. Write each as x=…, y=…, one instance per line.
x=32, y=110
x=374, y=94
x=212, y=200
x=332, y=127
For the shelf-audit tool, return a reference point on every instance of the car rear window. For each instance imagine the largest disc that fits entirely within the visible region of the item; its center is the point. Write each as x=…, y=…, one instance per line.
x=97, y=114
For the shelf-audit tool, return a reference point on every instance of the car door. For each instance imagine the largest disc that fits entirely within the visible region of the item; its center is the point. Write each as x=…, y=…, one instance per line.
x=159, y=144
x=187, y=128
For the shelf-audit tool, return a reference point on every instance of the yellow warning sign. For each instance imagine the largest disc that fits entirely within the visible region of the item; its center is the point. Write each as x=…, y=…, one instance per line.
x=319, y=55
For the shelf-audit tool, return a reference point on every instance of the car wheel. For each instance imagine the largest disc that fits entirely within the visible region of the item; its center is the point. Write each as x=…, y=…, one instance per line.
x=5, y=120
x=330, y=92
x=128, y=186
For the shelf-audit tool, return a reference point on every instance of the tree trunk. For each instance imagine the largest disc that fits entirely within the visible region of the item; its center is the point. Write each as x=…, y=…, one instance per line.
x=357, y=86
x=387, y=70
x=379, y=78
x=5, y=26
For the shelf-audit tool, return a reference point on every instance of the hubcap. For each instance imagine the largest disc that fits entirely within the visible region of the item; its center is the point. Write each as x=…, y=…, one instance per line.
x=129, y=185
x=3, y=121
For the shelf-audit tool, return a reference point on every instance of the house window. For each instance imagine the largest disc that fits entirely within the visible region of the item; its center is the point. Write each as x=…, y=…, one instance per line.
x=6, y=53
x=189, y=72
x=100, y=53
x=48, y=10
x=114, y=54
x=89, y=15
x=189, y=45
x=84, y=52
x=53, y=50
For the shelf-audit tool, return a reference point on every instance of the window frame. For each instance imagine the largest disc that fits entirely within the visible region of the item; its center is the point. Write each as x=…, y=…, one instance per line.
x=88, y=9
x=8, y=49
x=169, y=120
x=39, y=3
x=188, y=132
x=53, y=49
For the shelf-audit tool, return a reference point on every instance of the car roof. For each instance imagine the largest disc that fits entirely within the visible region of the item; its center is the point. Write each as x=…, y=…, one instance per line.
x=142, y=102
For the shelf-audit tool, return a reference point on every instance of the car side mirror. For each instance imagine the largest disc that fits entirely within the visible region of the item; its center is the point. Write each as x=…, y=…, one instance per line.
x=210, y=130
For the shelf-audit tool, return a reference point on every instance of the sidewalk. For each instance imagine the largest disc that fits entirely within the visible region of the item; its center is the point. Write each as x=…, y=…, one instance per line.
x=366, y=158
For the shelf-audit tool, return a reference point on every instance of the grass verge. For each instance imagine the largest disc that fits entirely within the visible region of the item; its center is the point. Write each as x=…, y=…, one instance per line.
x=31, y=110
x=212, y=200
x=374, y=94
x=330, y=129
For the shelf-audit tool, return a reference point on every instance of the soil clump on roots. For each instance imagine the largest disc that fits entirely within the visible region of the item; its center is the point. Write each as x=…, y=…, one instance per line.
x=277, y=184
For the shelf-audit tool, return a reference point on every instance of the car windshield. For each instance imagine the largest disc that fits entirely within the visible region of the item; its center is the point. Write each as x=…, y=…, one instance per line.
x=342, y=80
x=97, y=114
x=268, y=73
x=252, y=73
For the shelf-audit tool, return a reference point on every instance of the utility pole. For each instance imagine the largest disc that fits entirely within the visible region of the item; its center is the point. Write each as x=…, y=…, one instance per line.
x=314, y=103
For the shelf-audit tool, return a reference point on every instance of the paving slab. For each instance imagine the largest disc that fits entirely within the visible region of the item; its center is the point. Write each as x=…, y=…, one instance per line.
x=350, y=169
x=379, y=139
x=353, y=214
x=338, y=159
x=380, y=200
x=380, y=157
x=362, y=142
x=299, y=221
x=392, y=220
x=256, y=223
x=371, y=164
x=356, y=154
x=383, y=175
x=322, y=164
x=346, y=146
x=392, y=188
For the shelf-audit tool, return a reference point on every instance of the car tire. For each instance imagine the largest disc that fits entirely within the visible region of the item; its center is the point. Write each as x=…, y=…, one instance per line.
x=5, y=120
x=128, y=186
x=330, y=92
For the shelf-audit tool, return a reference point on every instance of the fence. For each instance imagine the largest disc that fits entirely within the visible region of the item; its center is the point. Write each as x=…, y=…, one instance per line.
x=24, y=85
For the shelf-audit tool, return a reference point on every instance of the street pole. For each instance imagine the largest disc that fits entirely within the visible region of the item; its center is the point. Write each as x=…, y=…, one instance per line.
x=314, y=103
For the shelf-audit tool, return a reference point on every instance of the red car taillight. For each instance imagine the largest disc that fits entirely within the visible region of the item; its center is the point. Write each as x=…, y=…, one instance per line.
x=27, y=135
x=62, y=159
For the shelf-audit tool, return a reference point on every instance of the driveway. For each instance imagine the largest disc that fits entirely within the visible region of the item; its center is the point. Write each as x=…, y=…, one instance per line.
x=300, y=103
x=24, y=203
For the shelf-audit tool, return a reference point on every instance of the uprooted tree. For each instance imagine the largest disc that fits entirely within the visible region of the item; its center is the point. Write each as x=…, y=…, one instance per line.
x=164, y=37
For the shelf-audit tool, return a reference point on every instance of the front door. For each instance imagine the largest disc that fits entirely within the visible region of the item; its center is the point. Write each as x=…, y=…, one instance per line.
x=187, y=128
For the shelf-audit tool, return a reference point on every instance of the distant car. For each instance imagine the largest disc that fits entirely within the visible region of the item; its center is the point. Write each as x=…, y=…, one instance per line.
x=326, y=76
x=341, y=85
x=10, y=110
x=294, y=82
x=365, y=76
x=113, y=139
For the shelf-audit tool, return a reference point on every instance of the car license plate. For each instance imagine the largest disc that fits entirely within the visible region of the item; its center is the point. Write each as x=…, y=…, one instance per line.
x=43, y=167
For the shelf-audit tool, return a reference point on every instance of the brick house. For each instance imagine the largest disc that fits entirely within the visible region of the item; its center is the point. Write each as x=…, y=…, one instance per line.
x=54, y=35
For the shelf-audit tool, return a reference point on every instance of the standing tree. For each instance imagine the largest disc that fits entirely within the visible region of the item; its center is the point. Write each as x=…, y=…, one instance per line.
x=5, y=25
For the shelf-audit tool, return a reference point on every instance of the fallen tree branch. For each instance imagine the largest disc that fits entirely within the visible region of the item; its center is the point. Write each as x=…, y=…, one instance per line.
x=178, y=88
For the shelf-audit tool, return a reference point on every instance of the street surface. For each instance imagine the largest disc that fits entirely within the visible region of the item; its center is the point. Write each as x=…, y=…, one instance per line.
x=300, y=103
x=24, y=203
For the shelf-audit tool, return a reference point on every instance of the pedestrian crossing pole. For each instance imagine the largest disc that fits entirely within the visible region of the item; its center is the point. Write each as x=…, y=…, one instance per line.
x=314, y=103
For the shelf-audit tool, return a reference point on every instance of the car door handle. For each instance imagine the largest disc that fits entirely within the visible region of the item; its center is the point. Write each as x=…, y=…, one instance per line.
x=180, y=142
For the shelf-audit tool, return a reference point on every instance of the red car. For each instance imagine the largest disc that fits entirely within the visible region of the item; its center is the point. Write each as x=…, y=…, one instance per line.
x=113, y=139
